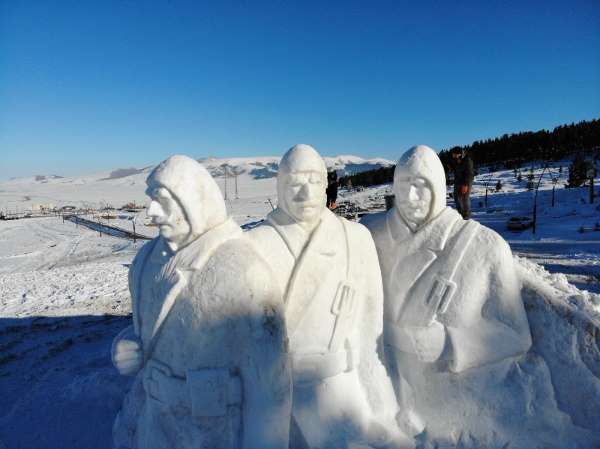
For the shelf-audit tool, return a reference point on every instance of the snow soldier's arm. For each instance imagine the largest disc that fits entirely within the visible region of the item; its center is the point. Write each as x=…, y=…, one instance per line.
x=133, y=277
x=372, y=373
x=264, y=363
x=126, y=350
x=501, y=329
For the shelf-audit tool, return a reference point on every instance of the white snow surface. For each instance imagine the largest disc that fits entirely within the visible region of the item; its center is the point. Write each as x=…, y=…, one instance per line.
x=63, y=298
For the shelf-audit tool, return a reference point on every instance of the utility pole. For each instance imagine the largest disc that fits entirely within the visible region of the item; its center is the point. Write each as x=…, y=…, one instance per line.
x=133, y=223
x=489, y=178
x=590, y=174
x=535, y=201
x=237, y=197
x=225, y=169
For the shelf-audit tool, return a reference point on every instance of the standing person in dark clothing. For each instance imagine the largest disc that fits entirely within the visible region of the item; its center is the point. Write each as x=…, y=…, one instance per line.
x=332, y=189
x=462, y=165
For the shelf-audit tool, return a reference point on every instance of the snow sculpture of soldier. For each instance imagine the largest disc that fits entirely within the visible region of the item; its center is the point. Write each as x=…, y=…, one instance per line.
x=208, y=341
x=327, y=267
x=453, y=306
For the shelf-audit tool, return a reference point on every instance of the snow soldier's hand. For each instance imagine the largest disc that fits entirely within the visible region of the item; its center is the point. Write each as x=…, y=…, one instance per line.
x=378, y=436
x=126, y=352
x=429, y=341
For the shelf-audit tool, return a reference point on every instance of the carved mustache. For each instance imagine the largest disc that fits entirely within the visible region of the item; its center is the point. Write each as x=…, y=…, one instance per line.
x=413, y=204
x=307, y=203
x=159, y=221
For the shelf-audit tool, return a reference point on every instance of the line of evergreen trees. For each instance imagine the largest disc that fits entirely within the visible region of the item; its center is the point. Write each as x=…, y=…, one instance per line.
x=510, y=151
x=515, y=149
x=367, y=178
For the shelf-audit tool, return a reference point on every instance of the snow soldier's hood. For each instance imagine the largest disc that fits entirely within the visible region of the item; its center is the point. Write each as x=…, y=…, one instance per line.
x=422, y=161
x=299, y=158
x=194, y=188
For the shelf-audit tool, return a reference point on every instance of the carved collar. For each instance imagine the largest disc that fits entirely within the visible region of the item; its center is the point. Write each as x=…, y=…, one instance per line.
x=433, y=235
x=294, y=235
x=195, y=254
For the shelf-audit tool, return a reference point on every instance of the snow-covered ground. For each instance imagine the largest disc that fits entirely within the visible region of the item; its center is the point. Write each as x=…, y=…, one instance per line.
x=567, y=237
x=63, y=297
x=63, y=293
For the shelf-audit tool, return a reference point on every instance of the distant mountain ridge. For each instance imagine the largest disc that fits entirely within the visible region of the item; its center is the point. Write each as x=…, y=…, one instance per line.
x=251, y=179
x=39, y=178
x=262, y=167
x=267, y=167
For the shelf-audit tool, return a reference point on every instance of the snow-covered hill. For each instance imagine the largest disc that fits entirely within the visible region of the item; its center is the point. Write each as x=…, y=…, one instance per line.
x=254, y=178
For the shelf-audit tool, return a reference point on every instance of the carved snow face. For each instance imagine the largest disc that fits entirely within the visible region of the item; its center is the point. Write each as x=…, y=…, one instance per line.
x=419, y=186
x=301, y=183
x=186, y=200
x=304, y=193
x=413, y=199
x=167, y=214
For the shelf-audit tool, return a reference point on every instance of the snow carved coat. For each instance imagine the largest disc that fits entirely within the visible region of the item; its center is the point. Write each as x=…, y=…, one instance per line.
x=339, y=400
x=475, y=381
x=216, y=374
x=484, y=320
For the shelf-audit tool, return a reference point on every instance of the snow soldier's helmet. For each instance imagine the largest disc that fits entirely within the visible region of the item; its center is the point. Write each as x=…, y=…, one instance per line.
x=422, y=161
x=300, y=158
x=194, y=188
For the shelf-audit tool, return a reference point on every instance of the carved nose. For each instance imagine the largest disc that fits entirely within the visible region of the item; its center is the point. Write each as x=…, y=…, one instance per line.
x=153, y=210
x=412, y=194
x=304, y=192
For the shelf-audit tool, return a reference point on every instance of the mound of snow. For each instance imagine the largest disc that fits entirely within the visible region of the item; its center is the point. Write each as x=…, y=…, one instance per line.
x=565, y=326
x=547, y=398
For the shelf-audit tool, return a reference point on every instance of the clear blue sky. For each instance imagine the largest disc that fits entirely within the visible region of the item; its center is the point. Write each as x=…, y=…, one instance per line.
x=93, y=85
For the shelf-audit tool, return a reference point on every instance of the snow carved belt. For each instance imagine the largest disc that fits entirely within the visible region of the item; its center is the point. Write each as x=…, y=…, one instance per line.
x=205, y=392
x=309, y=368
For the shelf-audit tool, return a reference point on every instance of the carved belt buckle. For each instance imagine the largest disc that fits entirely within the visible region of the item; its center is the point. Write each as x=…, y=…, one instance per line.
x=154, y=372
x=344, y=299
x=442, y=292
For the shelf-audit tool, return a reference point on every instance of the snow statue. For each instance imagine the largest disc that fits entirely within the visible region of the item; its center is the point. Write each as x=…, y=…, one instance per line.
x=453, y=306
x=208, y=342
x=328, y=269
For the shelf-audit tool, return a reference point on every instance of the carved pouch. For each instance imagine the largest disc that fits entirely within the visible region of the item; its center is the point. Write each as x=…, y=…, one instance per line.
x=212, y=390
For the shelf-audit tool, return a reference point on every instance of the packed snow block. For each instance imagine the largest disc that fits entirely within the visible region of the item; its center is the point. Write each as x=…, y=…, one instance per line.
x=456, y=332
x=510, y=403
x=565, y=324
x=327, y=267
x=208, y=347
